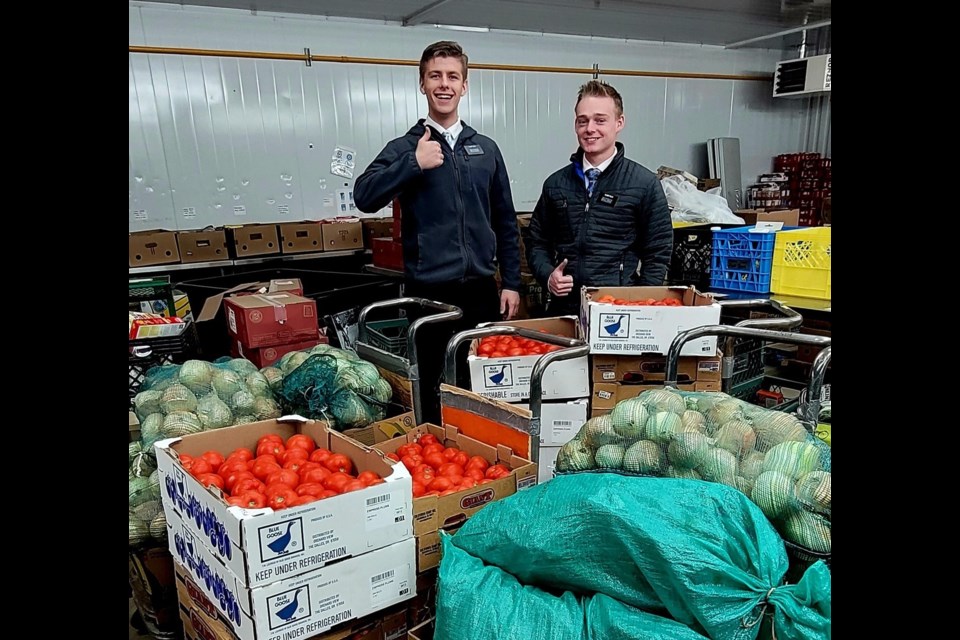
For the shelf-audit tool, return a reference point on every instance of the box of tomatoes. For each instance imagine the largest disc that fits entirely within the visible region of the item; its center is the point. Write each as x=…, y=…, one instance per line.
x=500, y=366
x=268, y=511
x=454, y=476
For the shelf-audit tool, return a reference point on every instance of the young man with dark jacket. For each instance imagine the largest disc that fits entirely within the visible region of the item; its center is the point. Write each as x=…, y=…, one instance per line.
x=602, y=220
x=458, y=221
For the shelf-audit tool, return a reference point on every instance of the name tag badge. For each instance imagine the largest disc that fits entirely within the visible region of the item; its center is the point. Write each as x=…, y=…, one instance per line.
x=473, y=149
x=608, y=198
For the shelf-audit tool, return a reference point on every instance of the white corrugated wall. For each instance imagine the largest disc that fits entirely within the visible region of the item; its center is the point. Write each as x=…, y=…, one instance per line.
x=223, y=140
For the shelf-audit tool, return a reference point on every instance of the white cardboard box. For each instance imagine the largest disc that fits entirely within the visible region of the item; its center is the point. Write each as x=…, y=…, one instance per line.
x=508, y=378
x=560, y=421
x=621, y=329
x=302, y=605
x=247, y=541
x=548, y=463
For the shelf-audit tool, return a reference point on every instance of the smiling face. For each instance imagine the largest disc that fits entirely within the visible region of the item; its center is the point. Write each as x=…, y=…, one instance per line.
x=444, y=83
x=597, y=124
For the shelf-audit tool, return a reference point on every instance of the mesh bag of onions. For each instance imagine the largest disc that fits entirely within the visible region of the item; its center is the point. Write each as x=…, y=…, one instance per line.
x=770, y=456
x=326, y=383
x=609, y=557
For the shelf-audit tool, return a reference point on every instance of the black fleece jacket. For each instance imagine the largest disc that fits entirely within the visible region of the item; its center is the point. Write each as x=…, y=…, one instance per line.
x=621, y=236
x=458, y=219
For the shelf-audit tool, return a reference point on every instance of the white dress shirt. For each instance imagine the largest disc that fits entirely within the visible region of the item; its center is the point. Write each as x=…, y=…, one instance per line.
x=450, y=134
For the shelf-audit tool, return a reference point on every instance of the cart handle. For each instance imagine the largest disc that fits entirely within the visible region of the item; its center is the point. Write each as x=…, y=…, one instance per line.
x=573, y=348
x=447, y=312
x=790, y=320
x=817, y=373
x=816, y=377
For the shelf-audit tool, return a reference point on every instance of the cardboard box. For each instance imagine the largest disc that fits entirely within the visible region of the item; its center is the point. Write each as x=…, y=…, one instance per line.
x=652, y=368
x=606, y=395
x=560, y=421
x=266, y=356
x=153, y=247
x=533, y=298
x=300, y=237
x=789, y=217
x=202, y=246
x=342, y=236
x=260, y=320
x=152, y=583
x=423, y=631
x=397, y=217
x=201, y=619
x=253, y=240
x=509, y=378
x=181, y=306
x=433, y=513
x=157, y=328
x=315, y=534
x=548, y=464
x=523, y=223
x=383, y=430
x=388, y=254
x=302, y=605
x=616, y=329
x=376, y=228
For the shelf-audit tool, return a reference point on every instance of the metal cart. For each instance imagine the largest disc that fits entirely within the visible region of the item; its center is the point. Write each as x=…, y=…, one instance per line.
x=808, y=411
x=396, y=352
x=572, y=348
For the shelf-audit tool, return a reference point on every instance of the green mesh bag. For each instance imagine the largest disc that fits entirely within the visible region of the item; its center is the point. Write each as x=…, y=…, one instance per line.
x=770, y=456
x=604, y=556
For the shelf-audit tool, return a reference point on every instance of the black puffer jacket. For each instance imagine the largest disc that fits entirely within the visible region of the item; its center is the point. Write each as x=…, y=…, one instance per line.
x=622, y=237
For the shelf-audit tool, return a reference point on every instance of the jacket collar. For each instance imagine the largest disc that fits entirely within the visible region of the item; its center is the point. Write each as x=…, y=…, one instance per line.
x=577, y=158
x=418, y=129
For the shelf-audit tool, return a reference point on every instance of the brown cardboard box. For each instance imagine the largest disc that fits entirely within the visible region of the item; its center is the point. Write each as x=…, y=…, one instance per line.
x=423, y=631
x=262, y=320
x=523, y=222
x=300, y=237
x=651, y=368
x=253, y=240
x=705, y=184
x=383, y=430
x=789, y=217
x=532, y=298
x=606, y=395
x=342, y=236
x=202, y=246
x=153, y=247
x=388, y=254
x=376, y=228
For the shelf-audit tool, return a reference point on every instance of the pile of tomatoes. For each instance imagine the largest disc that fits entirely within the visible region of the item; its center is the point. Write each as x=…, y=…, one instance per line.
x=278, y=474
x=646, y=302
x=509, y=346
x=439, y=471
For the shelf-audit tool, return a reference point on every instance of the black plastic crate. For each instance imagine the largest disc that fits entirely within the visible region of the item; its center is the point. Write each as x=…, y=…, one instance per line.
x=692, y=248
x=747, y=365
x=335, y=292
x=146, y=353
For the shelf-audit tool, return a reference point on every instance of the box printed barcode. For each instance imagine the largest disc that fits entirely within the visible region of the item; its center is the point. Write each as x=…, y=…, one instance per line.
x=378, y=499
x=382, y=576
x=563, y=423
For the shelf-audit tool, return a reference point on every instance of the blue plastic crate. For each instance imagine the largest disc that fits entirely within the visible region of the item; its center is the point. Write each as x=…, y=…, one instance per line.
x=741, y=260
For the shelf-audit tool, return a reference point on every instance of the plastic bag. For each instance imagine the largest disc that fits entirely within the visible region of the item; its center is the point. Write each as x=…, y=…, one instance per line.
x=688, y=204
x=562, y=559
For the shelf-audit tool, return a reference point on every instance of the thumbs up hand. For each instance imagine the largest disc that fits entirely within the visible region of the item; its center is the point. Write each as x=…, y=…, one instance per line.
x=429, y=153
x=559, y=284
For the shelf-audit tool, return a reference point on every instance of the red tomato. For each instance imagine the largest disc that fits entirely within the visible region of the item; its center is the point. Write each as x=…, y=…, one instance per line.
x=282, y=498
x=315, y=475
x=393, y=457
x=336, y=481
x=374, y=483
x=235, y=501
x=266, y=457
x=485, y=349
x=418, y=489
x=449, y=491
x=424, y=478
x=312, y=488
x=305, y=499
x=498, y=354
x=253, y=500
x=496, y=472
x=439, y=484
x=200, y=467
x=432, y=448
x=435, y=459
x=461, y=458
x=411, y=462
x=427, y=439
x=274, y=447
x=295, y=465
x=214, y=458
x=367, y=477
x=231, y=480
x=243, y=485
x=339, y=462
x=319, y=455
x=328, y=493
x=207, y=479
x=301, y=441
x=451, y=469
x=478, y=462
x=474, y=473
x=516, y=351
x=296, y=453
x=411, y=449
x=284, y=476
x=270, y=437
x=263, y=469
x=241, y=453
x=353, y=485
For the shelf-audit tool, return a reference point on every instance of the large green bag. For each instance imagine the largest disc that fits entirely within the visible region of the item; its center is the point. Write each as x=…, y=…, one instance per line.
x=605, y=556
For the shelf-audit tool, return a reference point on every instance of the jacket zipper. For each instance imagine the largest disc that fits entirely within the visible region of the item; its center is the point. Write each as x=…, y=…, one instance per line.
x=583, y=230
x=463, y=215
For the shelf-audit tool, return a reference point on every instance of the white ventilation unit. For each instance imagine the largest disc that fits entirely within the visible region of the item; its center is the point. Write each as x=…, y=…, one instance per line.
x=803, y=77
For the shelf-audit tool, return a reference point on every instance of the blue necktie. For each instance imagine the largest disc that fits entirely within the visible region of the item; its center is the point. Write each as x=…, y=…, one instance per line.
x=449, y=138
x=592, y=175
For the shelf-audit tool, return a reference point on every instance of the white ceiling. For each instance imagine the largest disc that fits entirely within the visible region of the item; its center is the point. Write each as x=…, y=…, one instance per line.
x=713, y=22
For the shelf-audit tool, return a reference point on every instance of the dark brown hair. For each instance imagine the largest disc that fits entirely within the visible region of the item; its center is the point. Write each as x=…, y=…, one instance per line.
x=598, y=89
x=443, y=49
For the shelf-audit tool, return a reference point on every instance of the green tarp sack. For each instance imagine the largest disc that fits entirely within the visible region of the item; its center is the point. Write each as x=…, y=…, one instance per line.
x=608, y=557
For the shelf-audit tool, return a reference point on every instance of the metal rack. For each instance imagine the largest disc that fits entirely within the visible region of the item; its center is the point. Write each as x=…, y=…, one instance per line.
x=245, y=261
x=572, y=348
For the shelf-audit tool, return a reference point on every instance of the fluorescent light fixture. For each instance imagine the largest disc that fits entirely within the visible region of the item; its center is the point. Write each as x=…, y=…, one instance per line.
x=457, y=27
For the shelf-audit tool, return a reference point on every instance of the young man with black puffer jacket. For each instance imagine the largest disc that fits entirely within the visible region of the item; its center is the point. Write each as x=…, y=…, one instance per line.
x=458, y=221
x=603, y=220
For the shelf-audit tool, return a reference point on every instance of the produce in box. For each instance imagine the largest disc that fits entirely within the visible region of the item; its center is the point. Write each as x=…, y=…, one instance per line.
x=768, y=455
x=440, y=471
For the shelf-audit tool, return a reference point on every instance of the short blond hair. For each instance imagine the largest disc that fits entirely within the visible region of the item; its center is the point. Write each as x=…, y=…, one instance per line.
x=598, y=89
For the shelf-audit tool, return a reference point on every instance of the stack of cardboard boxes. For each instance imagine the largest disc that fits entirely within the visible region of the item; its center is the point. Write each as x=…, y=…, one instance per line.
x=297, y=572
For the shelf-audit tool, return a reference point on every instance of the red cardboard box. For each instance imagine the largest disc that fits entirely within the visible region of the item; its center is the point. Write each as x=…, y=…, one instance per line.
x=266, y=356
x=267, y=319
x=388, y=254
